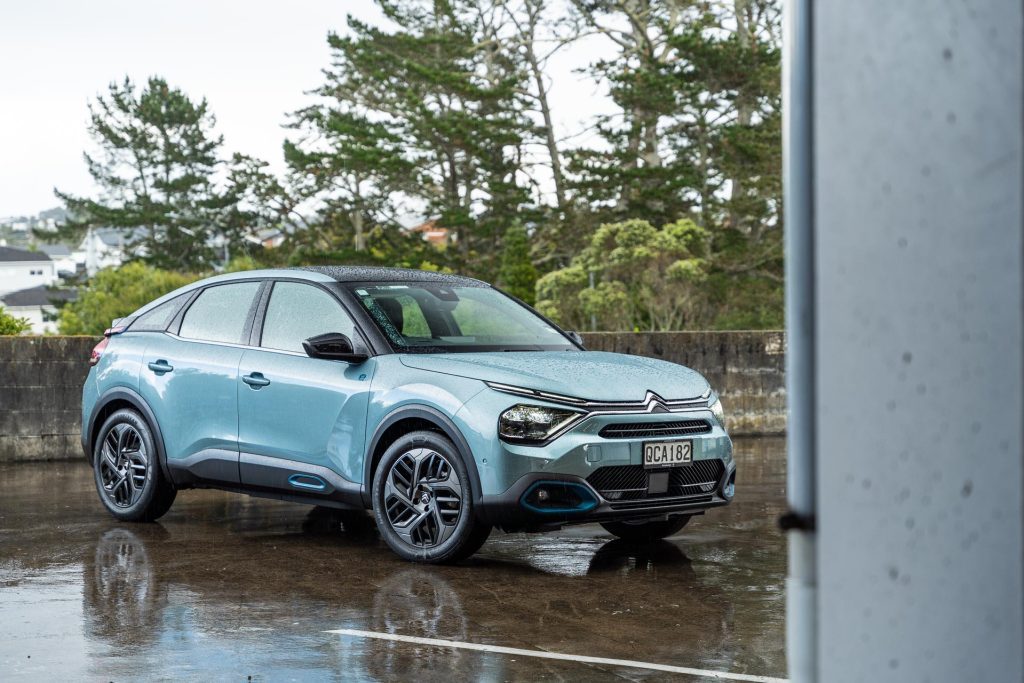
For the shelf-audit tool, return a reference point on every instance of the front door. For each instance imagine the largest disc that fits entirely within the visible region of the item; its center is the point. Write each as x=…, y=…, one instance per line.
x=301, y=419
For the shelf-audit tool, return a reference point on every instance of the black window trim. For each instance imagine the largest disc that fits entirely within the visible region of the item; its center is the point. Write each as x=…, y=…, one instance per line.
x=175, y=326
x=129, y=322
x=255, y=337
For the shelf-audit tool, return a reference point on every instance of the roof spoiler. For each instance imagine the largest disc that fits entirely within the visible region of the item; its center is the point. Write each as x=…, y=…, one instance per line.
x=118, y=326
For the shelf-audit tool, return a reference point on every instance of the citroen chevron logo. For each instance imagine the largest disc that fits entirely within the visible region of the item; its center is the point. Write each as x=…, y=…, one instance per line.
x=654, y=403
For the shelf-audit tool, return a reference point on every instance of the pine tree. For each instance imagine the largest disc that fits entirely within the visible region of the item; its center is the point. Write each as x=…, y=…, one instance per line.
x=697, y=136
x=155, y=170
x=636, y=173
x=442, y=106
x=517, y=276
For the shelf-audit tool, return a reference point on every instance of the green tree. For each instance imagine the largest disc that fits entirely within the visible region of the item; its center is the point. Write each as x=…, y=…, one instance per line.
x=644, y=278
x=696, y=134
x=12, y=326
x=558, y=296
x=517, y=274
x=347, y=166
x=155, y=167
x=115, y=293
x=729, y=66
x=636, y=173
x=440, y=103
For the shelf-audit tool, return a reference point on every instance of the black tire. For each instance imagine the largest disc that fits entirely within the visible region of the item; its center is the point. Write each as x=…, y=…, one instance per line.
x=440, y=526
x=127, y=472
x=645, y=532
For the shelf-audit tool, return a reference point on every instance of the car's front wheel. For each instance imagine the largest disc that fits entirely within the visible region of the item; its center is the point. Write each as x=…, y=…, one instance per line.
x=645, y=532
x=127, y=473
x=423, y=503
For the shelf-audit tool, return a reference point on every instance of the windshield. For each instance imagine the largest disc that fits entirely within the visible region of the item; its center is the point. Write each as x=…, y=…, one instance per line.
x=435, y=318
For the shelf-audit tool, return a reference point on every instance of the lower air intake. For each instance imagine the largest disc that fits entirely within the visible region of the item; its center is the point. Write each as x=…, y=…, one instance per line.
x=630, y=482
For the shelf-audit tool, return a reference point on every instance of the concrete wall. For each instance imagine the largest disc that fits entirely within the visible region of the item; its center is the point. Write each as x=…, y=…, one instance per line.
x=41, y=396
x=41, y=383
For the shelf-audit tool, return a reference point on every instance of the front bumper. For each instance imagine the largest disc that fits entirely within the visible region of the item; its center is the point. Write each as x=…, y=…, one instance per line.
x=517, y=510
x=581, y=456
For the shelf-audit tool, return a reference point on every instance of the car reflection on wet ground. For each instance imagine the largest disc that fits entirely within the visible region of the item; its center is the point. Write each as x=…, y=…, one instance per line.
x=228, y=586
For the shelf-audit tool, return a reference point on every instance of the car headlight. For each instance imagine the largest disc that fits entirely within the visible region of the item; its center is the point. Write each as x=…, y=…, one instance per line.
x=717, y=410
x=533, y=424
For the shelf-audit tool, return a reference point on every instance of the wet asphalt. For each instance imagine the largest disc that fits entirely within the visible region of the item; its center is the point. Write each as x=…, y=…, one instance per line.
x=228, y=587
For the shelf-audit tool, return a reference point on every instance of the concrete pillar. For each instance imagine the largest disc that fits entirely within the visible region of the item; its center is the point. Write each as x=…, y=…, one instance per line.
x=915, y=242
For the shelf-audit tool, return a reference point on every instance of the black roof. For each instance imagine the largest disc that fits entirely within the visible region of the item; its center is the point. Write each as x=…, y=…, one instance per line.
x=12, y=254
x=37, y=296
x=377, y=274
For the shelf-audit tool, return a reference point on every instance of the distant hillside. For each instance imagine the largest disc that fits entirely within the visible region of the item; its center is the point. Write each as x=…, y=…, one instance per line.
x=57, y=214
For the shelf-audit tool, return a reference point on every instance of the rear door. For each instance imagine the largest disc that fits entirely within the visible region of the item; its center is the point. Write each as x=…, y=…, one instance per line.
x=190, y=374
x=296, y=413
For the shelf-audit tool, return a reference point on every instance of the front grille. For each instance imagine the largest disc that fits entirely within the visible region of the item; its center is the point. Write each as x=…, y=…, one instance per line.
x=629, y=482
x=633, y=430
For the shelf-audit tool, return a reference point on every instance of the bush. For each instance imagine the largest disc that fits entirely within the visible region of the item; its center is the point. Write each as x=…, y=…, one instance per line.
x=115, y=293
x=11, y=326
x=645, y=278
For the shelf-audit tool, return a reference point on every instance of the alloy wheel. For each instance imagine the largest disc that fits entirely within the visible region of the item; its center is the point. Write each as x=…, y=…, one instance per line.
x=423, y=498
x=124, y=465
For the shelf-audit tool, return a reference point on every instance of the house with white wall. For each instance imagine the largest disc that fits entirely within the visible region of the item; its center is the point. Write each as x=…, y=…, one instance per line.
x=37, y=305
x=102, y=248
x=63, y=262
x=24, y=269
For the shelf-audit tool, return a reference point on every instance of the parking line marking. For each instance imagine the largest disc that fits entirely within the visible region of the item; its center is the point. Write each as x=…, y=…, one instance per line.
x=543, y=654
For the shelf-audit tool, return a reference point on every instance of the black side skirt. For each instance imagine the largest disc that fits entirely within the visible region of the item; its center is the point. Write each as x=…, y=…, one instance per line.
x=267, y=477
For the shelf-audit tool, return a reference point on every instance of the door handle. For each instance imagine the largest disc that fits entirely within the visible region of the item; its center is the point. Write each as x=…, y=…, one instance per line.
x=255, y=380
x=161, y=366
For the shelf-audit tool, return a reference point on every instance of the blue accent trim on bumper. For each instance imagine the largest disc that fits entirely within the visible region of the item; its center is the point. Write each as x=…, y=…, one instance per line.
x=587, y=500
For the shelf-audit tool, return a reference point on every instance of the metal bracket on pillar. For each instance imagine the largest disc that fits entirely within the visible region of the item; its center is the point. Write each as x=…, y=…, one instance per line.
x=795, y=521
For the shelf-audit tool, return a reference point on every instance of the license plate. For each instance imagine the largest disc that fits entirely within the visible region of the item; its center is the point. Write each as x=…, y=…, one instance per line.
x=667, y=453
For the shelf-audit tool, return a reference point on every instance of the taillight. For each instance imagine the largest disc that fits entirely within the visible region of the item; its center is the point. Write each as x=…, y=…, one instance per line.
x=97, y=351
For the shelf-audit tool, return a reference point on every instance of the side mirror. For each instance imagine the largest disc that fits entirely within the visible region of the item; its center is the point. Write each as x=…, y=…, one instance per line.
x=575, y=336
x=334, y=346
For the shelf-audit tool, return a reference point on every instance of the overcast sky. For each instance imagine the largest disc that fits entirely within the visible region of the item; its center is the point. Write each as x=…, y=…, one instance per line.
x=252, y=60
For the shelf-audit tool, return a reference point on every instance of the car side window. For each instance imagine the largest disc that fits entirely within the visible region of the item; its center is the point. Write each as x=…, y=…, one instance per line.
x=297, y=312
x=159, y=318
x=219, y=313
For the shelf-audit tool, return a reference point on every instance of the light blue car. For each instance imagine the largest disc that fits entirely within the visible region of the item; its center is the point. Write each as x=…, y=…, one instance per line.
x=437, y=401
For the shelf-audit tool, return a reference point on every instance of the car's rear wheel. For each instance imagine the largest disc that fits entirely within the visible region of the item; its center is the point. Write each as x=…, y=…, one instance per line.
x=422, y=500
x=644, y=532
x=126, y=470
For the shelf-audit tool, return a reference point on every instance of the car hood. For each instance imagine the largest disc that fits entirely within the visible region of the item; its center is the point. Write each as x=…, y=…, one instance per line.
x=594, y=375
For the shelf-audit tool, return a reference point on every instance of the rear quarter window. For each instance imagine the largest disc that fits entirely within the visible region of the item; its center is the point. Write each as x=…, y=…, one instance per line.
x=160, y=317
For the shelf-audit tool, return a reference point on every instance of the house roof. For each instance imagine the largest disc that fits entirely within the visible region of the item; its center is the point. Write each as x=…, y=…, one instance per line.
x=118, y=237
x=10, y=254
x=55, y=249
x=38, y=296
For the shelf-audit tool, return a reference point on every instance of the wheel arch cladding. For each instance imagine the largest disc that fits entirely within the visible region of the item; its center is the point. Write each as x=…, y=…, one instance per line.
x=109, y=403
x=413, y=418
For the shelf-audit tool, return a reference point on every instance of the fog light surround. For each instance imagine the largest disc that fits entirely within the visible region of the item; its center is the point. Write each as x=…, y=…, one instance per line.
x=729, y=490
x=554, y=497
